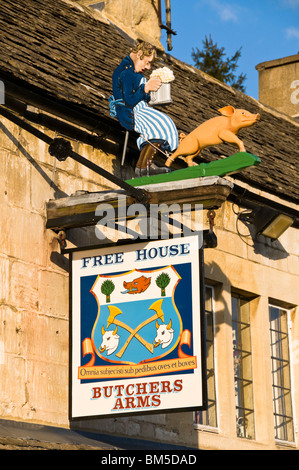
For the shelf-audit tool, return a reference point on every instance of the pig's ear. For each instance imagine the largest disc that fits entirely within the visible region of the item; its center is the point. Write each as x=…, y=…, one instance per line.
x=227, y=111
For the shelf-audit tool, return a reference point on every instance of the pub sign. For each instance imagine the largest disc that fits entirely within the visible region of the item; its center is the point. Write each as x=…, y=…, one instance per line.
x=137, y=335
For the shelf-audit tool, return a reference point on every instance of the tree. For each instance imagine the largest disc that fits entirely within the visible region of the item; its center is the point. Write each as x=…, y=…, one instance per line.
x=162, y=281
x=211, y=61
x=107, y=288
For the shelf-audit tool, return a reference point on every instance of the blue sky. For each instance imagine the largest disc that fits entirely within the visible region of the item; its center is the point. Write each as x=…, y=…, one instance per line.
x=265, y=29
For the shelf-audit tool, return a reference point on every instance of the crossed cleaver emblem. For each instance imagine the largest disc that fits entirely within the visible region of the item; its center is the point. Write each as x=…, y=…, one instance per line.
x=134, y=333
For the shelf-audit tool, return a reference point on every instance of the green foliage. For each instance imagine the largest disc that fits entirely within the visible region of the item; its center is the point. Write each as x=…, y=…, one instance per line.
x=211, y=61
x=162, y=281
x=107, y=288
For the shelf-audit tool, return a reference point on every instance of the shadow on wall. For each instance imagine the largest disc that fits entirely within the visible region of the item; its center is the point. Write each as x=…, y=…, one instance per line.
x=57, y=192
x=270, y=249
x=78, y=237
x=221, y=285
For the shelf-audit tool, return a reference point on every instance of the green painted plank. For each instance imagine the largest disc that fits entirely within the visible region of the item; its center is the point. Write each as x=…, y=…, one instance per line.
x=221, y=167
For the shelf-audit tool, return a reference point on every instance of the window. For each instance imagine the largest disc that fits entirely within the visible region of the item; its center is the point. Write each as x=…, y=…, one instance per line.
x=242, y=367
x=281, y=377
x=209, y=417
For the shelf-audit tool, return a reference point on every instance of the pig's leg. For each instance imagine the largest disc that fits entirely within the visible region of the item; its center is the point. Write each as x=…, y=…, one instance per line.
x=231, y=138
x=189, y=159
x=189, y=148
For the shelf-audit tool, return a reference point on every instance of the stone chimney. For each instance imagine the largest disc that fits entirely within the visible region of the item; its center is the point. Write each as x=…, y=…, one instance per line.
x=279, y=84
x=137, y=18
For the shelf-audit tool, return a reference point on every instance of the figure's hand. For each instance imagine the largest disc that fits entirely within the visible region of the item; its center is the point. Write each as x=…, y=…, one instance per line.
x=153, y=84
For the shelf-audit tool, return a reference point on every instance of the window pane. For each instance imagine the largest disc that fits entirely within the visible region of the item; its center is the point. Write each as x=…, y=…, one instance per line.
x=235, y=308
x=245, y=423
x=209, y=292
x=210, y=327
x=242, y=367
x=245, y=310
x=281, y=378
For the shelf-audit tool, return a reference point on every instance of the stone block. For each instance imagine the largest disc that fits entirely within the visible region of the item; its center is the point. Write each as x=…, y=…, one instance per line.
x=41, y=188
x=8, y=135
x=53, y=294
x=24, y=286
x=293, y=264
x=19, y=178
x=167, y=435
x=289, y=241
x=3, y=179
x=137, y=17
x=4, y=279
x=68, y=183
x=47, y=391
x=12, y=387
x=231, y=242
x=23, y=234
x=10, y=332
x=44, y=338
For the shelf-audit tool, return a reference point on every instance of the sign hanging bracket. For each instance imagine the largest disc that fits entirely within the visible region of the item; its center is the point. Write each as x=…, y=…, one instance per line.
x=62, y=149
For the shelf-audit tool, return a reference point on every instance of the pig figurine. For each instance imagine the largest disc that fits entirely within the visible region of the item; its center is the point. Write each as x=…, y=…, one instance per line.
x=215, y=131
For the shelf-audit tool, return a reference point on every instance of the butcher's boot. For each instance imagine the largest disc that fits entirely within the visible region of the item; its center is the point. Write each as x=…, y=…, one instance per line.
x=145, y=165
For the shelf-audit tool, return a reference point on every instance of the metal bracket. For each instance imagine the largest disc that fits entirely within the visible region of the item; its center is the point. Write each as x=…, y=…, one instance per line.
x=62, y=149
x=61, y=237
x=125, y=148
x=210, y=239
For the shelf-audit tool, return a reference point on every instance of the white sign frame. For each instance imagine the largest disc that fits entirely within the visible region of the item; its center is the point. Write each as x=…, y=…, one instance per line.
x=143, y=374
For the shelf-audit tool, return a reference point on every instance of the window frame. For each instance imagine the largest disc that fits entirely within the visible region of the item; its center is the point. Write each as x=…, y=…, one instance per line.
x=244, y=353
x=279, y=307
x=197, y=425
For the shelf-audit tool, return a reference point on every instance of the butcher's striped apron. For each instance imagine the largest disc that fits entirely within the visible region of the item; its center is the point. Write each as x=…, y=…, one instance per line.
x=152, y=124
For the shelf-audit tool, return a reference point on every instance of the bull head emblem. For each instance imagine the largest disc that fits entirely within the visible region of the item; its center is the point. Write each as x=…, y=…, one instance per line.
x=164, y=335
x=110, y=341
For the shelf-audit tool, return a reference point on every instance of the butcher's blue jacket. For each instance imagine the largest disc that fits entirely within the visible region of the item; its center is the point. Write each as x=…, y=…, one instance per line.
x=127, y=86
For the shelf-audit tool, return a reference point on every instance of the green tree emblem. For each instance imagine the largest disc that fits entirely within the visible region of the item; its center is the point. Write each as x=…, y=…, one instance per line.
x=107, y=288
x=162, y=281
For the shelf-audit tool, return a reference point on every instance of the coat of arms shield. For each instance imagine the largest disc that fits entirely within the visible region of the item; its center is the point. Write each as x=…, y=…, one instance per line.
x=137, y=319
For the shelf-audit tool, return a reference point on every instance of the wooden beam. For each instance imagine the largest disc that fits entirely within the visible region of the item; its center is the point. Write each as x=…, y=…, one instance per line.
x=79, y=210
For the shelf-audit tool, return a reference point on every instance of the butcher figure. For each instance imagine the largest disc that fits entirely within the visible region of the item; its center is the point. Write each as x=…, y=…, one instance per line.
x=131, y=95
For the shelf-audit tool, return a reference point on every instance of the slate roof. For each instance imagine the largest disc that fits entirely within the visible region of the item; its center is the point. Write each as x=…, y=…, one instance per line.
x=62, y=52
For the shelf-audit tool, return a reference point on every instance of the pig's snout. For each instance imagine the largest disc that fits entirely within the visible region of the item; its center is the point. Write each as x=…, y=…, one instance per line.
x=253, y=117
x=249, y=119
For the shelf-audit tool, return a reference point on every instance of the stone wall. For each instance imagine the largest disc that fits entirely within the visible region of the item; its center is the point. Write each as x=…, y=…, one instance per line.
x=138, y=18
x=279, y=84
x=34, y=307
x=34, y=310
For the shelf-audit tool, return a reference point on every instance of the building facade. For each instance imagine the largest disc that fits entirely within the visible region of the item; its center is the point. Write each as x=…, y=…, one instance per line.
x=251, y=279
x=279, y=84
